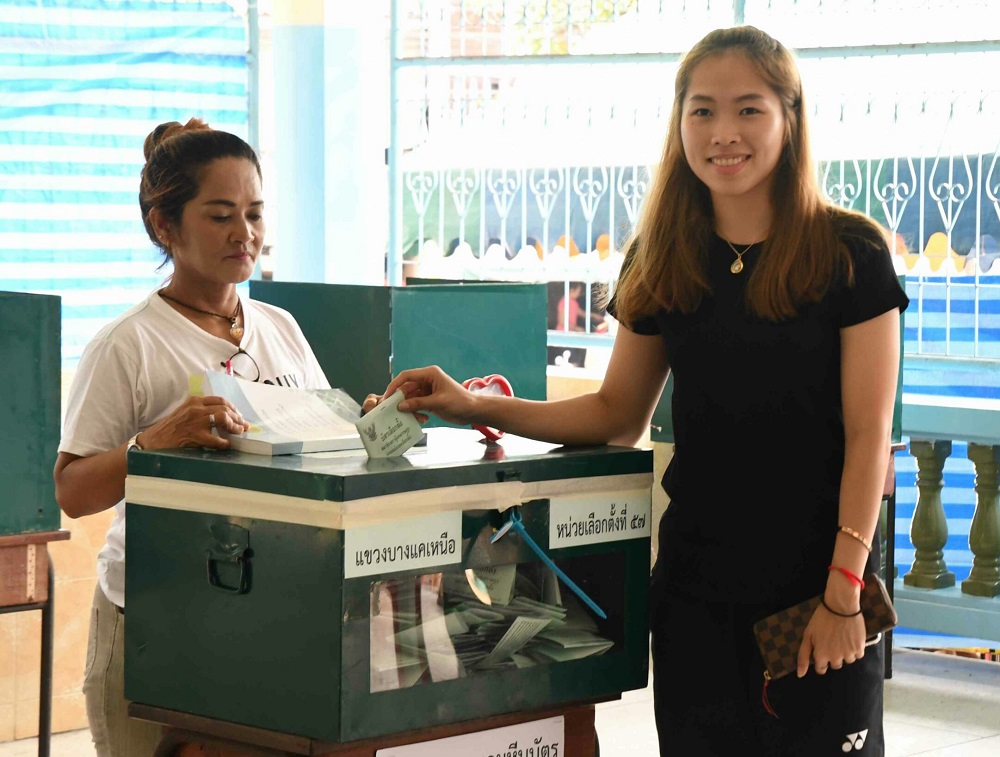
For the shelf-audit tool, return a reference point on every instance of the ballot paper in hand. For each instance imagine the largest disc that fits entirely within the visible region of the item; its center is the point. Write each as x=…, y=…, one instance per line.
x=284, y=420
x=387, y=432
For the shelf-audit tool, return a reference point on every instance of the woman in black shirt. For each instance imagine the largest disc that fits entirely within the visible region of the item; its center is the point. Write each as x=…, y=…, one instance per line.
x=779, y=315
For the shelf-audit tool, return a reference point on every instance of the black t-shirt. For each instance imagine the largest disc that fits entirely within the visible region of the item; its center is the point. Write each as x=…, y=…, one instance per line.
x=759, y=434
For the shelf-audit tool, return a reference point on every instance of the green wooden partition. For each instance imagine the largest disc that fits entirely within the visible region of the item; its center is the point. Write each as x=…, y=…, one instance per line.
x=363, y=335
x=30, y=330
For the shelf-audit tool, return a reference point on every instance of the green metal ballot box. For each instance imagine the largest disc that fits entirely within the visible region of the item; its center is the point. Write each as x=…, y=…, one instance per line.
x=339, y=597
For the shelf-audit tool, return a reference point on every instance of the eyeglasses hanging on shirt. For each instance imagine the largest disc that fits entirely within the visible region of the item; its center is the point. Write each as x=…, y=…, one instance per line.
x=242, y=365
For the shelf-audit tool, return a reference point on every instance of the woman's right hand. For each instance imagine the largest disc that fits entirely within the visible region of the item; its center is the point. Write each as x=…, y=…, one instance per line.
x=192, y=425
x=432, y=390
x=87, y=485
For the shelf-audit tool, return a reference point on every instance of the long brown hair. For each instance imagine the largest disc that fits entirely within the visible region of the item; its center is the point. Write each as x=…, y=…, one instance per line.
x=667, y=264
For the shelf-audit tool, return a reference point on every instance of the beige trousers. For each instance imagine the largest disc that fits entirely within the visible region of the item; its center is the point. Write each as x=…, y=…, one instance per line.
x=115, y=734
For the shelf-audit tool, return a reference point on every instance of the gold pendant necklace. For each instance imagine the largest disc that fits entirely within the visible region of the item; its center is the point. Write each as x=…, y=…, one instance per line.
x=235, y=330
x=737, y=266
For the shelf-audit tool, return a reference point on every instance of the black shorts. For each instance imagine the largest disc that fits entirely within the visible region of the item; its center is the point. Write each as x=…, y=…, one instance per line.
x=708, y=682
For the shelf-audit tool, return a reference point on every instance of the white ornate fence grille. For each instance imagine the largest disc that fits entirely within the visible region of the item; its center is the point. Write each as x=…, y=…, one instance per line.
x=523, y=133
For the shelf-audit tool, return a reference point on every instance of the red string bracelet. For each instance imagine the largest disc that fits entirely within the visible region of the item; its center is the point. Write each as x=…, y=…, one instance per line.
x=855, y=579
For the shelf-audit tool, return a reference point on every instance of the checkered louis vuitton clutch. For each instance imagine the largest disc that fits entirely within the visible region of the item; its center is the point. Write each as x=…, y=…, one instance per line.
x=779, y=636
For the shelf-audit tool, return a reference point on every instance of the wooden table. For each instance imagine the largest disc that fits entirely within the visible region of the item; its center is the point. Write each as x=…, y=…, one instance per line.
x=26, y=583
x=193, y=736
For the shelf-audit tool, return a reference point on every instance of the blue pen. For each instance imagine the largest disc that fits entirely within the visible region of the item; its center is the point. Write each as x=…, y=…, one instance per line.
x=515, y=523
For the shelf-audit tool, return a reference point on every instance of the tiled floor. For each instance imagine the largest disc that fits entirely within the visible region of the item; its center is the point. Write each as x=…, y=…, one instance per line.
x=936, y=706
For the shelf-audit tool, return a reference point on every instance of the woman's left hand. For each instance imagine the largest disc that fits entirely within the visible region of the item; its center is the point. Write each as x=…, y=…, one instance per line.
x=832, y=641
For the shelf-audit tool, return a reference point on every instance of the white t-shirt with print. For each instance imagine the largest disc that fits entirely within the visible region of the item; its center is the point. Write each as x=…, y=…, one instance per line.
x=135, y=372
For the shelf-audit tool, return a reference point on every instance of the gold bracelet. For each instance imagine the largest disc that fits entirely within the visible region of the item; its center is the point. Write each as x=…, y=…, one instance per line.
x=856, y=535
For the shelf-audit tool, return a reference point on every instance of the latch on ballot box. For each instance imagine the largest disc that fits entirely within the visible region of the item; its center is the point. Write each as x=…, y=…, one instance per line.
x=229, y=552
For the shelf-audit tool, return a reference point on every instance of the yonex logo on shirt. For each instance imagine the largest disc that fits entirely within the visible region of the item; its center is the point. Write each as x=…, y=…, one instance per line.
x=855, y=741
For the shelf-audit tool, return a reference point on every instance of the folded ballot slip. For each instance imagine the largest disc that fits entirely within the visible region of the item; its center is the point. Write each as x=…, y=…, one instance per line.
x=385, y=431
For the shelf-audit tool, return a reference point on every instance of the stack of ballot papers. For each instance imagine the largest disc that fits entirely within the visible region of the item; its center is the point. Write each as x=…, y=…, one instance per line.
x=436, y=628
x=284, y=420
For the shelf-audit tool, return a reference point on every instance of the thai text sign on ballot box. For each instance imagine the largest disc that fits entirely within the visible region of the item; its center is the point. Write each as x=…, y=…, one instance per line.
x=406, y=544
x=596, y=518
x=540, y=738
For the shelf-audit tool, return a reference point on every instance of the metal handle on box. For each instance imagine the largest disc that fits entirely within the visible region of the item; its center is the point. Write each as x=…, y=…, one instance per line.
x=239, y=556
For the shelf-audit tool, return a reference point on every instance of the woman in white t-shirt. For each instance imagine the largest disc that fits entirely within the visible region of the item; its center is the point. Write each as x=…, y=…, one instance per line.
x=201, y=203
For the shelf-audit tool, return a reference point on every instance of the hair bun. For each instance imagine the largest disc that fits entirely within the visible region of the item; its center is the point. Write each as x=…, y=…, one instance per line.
x=168, y=130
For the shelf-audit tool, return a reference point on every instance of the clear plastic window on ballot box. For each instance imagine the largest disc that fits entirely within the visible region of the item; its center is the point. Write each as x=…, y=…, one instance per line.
x=468, y=622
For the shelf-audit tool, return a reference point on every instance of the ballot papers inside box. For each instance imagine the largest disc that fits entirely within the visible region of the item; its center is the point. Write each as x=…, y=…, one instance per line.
x=497, y=629
x=442, y=626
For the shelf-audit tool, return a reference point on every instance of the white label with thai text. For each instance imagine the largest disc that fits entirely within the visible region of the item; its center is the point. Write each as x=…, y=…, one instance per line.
x=595, y=518
x=403, y=545
x=539, y=738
